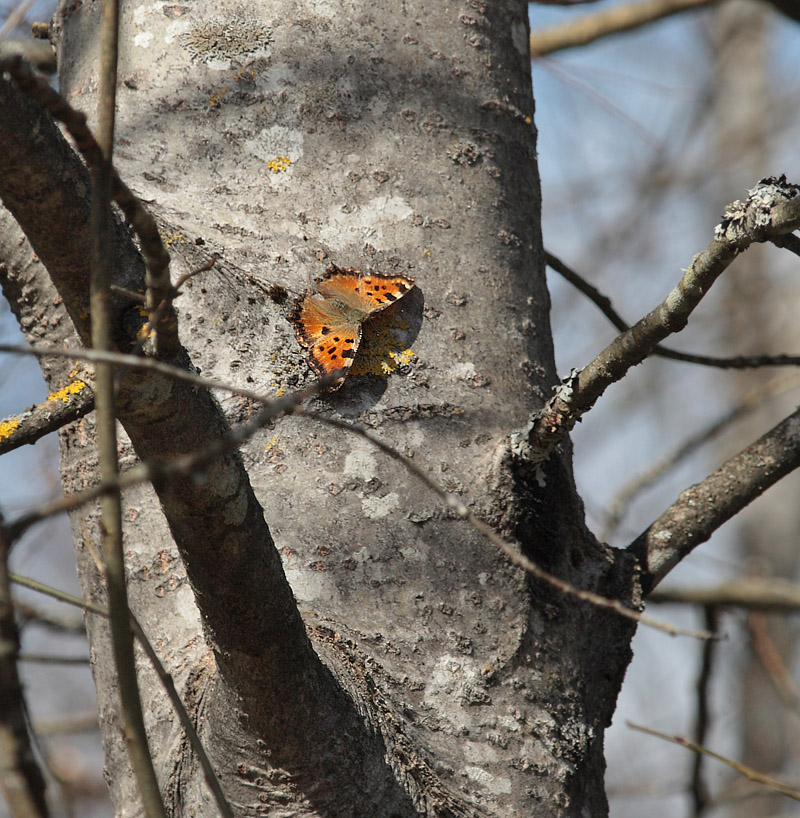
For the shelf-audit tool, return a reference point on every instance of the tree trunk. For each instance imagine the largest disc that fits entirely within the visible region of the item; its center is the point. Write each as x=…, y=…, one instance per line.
x=436, y=679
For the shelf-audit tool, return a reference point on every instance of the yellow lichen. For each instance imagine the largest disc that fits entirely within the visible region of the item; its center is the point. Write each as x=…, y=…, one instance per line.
x=279, y=164
x=72, y=388
x=381, y=352
x=215, y=98
x=173, y=238
x=141, y=335
x=7, y=427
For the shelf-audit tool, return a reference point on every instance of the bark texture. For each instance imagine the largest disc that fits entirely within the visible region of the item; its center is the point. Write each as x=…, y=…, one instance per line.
x=286, y=135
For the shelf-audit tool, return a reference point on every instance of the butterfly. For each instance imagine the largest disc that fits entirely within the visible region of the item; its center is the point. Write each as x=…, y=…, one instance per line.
x=328, y=322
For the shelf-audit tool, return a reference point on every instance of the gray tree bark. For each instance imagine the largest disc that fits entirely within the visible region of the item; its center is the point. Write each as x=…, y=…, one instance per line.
x=428, y=677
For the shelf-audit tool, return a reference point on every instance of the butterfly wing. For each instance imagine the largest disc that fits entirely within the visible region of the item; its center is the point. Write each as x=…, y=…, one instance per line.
x=328, y=323
x=330, y=336
x=364, y=292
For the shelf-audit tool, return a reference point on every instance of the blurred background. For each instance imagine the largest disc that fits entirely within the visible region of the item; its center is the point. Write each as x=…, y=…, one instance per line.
x=644, y=137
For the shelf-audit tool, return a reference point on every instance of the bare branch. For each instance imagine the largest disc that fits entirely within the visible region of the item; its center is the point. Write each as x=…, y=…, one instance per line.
x=698, y=788
x=613, y=21
x=21, y=779
x=771, y=659
x=604, y=304
x=133, y=728
x=789, y=242
x=290, y=404
x=751, y=401
x=161, y=671
x=74, y=401
x=48, y=619
x=705, y=506
x=772, y=209
x=748, y=772
x=155, y=255
x=758, y=593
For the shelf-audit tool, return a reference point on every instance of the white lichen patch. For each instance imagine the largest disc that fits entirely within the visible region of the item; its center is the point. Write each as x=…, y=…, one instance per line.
x=141, y=13
x=493, y=783
x=143, y=39
x=279, y=148
x=175, y=29
x=462, y=371
x=323, y=8
x=361, y=464
x=220, y=41
x=377, y=507
x=348, y=226
x=479, y=752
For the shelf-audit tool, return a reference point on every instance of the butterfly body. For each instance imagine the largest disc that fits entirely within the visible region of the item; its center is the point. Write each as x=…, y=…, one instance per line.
x=328, y=322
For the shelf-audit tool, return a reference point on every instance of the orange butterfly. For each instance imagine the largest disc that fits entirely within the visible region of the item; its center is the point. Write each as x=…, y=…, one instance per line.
x=328, y=322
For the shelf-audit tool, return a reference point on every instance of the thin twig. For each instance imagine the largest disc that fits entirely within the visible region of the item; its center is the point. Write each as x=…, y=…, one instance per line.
x=698, y=788
x=21, y=778
x=188, y=464
x=155, y=254
x=704, y=507
x=162, y=317
x=49, y=659
x=30, y=614
x=161, y=671
x=748, y=772
x=751, y=401
x=15, y=17
x=772, y=660
x=273, y=408
x=131, y=710
x=772, y=209
x=613, y=21
x=755, y=593
x=605, y=306
x=139, y=362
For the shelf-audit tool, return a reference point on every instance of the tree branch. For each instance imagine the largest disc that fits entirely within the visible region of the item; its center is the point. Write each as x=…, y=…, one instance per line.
x=101, y=226
x=698, y=788
x=749, y=402
x=21, y=779
x=705, y=506
x=156, y=257
x=761, y=594
x=603, y=303
x=772, y=209
x=72, y=402
x=165, y=678
x=616, y=20
x=748, y=772
x=190, y=464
